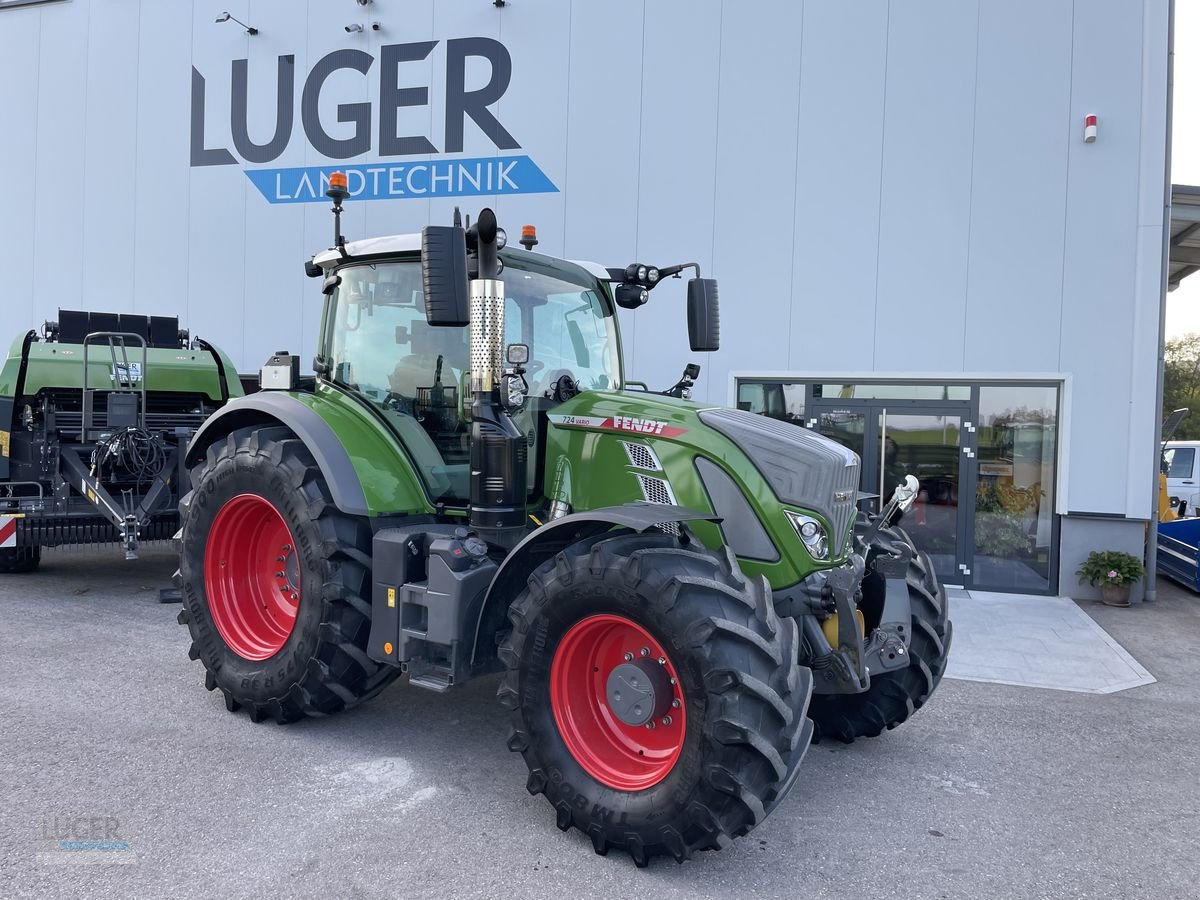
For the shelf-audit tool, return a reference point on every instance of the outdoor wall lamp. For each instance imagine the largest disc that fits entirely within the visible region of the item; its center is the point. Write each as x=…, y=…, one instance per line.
x=225, y=17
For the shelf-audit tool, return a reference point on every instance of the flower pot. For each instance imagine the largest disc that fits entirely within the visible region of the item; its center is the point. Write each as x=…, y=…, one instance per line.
x=1115, y=594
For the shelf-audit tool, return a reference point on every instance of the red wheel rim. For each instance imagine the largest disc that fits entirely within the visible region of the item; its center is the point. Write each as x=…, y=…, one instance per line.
x=619, y=755
x=252, y=577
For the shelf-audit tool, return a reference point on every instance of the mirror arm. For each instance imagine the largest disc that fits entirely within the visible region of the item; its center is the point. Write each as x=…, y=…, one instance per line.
x=673, y=271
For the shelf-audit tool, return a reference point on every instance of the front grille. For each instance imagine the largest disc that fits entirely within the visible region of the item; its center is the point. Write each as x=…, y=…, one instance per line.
x=844, y=510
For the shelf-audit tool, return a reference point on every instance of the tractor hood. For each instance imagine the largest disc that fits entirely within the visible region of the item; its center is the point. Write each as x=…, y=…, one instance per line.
x=614, y=447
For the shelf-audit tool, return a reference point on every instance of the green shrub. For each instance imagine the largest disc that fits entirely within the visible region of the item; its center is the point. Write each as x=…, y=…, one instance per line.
x=1110, y=567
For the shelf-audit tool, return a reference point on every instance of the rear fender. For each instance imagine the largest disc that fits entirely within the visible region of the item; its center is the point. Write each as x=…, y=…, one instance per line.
x=271, y=408
x=550, y=539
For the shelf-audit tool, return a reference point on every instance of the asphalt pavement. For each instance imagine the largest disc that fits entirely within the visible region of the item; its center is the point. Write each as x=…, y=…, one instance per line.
x=108, y=737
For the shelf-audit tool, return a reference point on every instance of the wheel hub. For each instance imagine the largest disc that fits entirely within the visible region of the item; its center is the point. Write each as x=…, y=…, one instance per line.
x=639, y=692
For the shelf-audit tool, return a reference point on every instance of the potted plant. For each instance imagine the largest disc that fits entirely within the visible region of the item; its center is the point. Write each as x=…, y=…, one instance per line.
x=1113, y=572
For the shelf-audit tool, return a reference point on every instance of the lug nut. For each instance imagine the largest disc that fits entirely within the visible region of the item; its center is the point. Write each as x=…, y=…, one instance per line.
x=666, y=720
x=662, y=660
x=675, y=704
x=280, y=575
x=628, y=657
x=650, y=725
x=645, y=651
x=672, y=681
x=281, y=559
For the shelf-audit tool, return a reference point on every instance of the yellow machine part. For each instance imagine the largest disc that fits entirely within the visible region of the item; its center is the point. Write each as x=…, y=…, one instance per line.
x=830, y=627
x=1165, y=513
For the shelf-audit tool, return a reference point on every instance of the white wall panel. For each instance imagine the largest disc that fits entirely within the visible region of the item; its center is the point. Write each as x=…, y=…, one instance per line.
x=159, y=254
x=924, y=215
x=839, y=147
x=1018, y=187
x=62, y=144
x=20, y=51
x=755, y=181
x=1099, y=280
x=110, y=163
x=676, y=170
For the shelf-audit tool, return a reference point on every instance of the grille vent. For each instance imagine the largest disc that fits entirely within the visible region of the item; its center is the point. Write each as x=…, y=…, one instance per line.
x=657, y=490
x=641, y=456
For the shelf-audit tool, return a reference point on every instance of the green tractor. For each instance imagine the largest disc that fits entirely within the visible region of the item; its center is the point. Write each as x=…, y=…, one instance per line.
x=472, y=485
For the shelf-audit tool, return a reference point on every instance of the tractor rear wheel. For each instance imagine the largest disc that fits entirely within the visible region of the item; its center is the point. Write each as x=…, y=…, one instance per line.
x=19, y=560
x=276, y=582
x=894, y=696
x=655, y=694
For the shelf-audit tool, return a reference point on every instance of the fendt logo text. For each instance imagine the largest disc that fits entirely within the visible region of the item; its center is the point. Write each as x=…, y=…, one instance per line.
x=386, y=179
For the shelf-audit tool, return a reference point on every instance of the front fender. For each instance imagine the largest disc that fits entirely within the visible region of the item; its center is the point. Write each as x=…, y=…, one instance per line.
x=542, y=544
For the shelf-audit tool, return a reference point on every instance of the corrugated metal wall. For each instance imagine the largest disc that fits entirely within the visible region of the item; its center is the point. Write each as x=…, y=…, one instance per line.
x=879, y=186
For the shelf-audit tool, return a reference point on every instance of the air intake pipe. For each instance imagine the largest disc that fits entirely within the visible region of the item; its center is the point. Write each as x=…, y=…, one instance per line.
x=499, y=453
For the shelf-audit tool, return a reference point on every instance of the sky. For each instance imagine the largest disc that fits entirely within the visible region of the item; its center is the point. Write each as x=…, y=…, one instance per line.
x=1183, y=303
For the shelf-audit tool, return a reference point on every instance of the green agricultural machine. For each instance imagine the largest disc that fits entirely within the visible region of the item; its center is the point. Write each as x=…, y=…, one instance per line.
x=95, y=415
x=472, y=485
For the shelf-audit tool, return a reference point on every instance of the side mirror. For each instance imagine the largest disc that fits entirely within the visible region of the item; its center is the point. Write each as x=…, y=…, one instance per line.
x=444, y=275
x=631, y=296
x=703, y=316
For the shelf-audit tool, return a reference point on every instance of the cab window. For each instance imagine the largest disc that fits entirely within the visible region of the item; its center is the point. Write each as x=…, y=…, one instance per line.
x=1180, y=462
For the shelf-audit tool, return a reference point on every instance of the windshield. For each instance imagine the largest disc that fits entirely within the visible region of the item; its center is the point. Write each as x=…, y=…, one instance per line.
x=381, y=347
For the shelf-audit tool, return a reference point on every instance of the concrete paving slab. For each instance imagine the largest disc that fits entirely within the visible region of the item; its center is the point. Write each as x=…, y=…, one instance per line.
x=1043, y=642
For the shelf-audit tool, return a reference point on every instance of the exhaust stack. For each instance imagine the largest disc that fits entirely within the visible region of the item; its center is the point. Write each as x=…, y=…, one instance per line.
x=499, y=453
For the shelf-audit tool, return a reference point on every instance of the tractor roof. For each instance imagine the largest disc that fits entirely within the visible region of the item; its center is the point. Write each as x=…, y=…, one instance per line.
x=396, y=244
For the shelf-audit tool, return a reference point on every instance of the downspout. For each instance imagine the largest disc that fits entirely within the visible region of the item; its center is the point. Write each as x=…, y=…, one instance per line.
x=1151, y=593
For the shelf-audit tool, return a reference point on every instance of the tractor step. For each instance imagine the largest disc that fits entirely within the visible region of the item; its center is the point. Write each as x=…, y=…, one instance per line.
x=433, y=679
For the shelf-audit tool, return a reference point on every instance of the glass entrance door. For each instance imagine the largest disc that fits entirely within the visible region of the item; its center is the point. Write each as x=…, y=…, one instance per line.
x=895, y=440
x=927, y=444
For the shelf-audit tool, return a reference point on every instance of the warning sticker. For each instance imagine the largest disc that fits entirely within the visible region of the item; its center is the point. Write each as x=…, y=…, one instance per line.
x=8, y=531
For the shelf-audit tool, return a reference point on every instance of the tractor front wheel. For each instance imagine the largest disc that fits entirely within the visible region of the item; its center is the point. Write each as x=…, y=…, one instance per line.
x=276, y=582
x=655, y=694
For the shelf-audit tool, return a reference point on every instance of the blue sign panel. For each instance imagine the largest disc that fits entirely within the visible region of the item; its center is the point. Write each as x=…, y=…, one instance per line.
x=407, y=180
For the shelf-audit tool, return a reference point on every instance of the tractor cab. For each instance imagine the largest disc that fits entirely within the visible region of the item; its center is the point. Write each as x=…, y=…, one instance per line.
x=378, y=345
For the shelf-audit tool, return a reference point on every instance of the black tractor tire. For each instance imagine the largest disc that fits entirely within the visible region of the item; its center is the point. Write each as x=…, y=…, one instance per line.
x=322, y=666
x=744, y=697
x=894, y=696
x=19, y=560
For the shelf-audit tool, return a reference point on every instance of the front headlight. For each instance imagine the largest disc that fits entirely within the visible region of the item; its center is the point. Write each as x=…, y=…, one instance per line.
x=812, y=533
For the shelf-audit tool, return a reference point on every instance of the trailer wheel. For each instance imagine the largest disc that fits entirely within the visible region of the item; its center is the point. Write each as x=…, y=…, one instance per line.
x=19, y=560
x=276, y=582
x=655, y=694
x=893, y=697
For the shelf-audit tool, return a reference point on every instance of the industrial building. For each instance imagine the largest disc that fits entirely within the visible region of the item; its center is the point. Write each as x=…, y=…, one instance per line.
x=939, y=227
